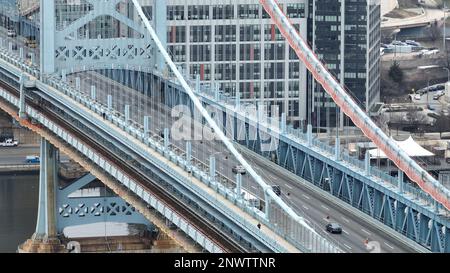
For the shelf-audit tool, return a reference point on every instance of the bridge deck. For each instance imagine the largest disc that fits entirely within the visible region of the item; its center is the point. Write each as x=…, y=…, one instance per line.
x=222, y=200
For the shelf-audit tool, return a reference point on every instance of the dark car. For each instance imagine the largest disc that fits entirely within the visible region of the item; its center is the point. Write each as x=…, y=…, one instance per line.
x=334, y=228
x=440, y=87
x=276, y=189
x=239, y=169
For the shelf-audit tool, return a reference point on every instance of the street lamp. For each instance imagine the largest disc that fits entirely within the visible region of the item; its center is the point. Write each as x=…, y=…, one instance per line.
x=426, y=67
x=448, y=73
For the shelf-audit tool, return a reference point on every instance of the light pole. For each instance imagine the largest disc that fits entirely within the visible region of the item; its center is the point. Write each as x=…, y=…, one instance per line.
x=426, y=67
x=448, y=73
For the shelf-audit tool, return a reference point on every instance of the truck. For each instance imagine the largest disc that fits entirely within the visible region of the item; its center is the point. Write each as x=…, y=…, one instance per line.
x=9, y=143
x=32, y=159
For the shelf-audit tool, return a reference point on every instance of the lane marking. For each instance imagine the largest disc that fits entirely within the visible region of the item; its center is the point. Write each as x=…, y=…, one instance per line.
x=325, y=207
x=305, y=207
x=345, y=232
x=347, y=246
x=289, y=187
x=391, y=247
x=365, y=231
x=254, y=187
x=345, y=219
x=306, y=196
x=326, y=220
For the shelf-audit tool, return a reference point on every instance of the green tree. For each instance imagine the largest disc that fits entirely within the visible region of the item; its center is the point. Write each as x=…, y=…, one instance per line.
x=396, y=73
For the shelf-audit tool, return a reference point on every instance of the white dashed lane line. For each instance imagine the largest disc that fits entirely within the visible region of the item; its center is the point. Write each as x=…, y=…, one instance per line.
x=289, y=187
x=365, y=231
x=347, y=246
x=306, y=196
x=345, y=219
x=345, y=232
x=388, y=245
x=325, y=207
x=305, y=207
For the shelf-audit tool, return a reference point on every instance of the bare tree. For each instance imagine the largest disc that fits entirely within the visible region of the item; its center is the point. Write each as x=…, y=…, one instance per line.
x=434, y=31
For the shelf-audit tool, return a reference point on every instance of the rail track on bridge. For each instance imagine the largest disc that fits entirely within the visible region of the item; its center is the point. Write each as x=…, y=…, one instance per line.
x=214, y=234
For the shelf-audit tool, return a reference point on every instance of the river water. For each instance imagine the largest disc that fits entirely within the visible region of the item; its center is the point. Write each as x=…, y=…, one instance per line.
x=18, y=209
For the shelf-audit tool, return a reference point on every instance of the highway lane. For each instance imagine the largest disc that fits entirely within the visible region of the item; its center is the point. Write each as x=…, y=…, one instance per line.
x=304, y=201
x=17, y=155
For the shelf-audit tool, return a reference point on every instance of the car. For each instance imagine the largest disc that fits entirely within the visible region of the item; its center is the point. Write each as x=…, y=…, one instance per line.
x=276, y=189
x=32, y=159
x=432, y=88
x=239, y=169
x=11, y=33
x=334, y=228
x=440, y=87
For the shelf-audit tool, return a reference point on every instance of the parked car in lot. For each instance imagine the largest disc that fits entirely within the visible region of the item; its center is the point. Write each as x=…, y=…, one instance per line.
x=334, y=228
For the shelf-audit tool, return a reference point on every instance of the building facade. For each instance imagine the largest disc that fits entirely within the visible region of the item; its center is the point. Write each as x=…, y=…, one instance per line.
x=346, y=36
x=234, y=44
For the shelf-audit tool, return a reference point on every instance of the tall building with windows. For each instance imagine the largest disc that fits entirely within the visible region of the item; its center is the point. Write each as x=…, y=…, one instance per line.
x=346, y=36
x=234, y=44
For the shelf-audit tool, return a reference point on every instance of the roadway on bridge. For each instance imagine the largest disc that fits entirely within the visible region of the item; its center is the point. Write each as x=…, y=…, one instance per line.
x=306, y=202
x=17, y=155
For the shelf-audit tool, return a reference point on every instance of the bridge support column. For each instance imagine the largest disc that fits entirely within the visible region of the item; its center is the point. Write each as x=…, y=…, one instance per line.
x=367, y=162
x=127, y=114
x=309, y=134
x=337, y=152
x=283, y=123
x=267, y=205
x=160, y=21
x=166, y=139
x=21, y=53
x=147, y=123
x=10, y=46
x=22, y=113
x=63, y=75
x=93, y=93
x=78, y=83
x=32, y=58
x=216, y=91
x=109, y=102
x=212, y=168
x=400, y=181
x=188, y=155
x=197, y=83
x=238, y=99
x=239, y=185
x=48, y=33
x=45, y=237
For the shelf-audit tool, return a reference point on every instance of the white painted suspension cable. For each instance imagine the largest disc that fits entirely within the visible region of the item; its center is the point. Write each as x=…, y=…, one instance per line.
x=267, y=189
x=352, y=110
